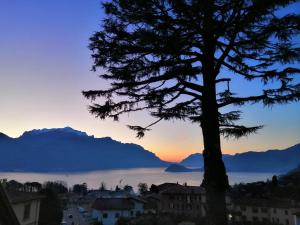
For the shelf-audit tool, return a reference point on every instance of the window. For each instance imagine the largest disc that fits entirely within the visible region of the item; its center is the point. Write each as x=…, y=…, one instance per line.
x=199, y=198
x=255, y=219
x=255, y=210
x=286, y=212
x=131, y=213
x=264, y=210
x=105, y=215
x=188, y=198
x=171, y=206
x=26, y=214
x=117, y=215
x=274, y=210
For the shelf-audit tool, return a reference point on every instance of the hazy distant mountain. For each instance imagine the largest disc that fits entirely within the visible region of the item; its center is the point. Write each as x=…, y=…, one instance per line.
x=66, y=149
x=175, y=168
x=292, y=178
x=3, y=137
x=269, y=161
x=196, y=160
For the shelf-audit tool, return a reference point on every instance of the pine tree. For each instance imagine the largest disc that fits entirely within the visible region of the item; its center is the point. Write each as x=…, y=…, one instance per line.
x=177, y=59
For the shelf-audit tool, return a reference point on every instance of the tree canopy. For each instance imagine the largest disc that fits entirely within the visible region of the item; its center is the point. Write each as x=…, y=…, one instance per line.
x=156, y=54
x=179, y=59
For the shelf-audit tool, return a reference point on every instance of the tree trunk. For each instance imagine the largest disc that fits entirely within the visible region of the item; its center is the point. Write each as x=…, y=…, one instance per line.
x=215, y=179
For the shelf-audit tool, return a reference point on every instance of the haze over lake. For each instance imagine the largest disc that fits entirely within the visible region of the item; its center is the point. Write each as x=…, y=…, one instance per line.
x=129, y=176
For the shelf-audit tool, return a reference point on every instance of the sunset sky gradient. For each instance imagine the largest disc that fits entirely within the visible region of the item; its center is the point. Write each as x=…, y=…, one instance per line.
x=45, y=64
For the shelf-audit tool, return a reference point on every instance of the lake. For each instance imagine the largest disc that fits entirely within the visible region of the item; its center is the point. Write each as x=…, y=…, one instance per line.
x=129, y=176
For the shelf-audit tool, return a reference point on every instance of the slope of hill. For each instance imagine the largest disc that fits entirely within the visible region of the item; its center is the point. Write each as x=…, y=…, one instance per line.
x=196, y=160
x=292, y=177
x=177, y=168
x=276, y=161
x=66, y=149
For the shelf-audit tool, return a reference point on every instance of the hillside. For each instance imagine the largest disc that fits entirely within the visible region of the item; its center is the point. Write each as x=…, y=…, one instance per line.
x=177, y=168
x=292, y=177
x=66, y=149
x=196, y=160
x=276, y=161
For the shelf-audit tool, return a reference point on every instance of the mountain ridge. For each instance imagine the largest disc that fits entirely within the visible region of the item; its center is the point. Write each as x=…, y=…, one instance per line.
x=69, y=150
x=274, y=160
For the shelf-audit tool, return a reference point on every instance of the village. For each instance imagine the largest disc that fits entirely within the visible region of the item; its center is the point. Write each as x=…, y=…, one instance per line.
x=166, y=203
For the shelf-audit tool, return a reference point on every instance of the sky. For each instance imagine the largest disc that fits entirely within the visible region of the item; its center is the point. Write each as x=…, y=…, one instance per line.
x=45, y=64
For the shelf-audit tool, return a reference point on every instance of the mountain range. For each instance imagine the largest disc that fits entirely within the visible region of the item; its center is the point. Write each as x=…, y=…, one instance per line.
x=69, y=150
x=276, y=161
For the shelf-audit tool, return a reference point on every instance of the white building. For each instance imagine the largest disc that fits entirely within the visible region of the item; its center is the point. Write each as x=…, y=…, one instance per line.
x=109, y=210
x=297, y=218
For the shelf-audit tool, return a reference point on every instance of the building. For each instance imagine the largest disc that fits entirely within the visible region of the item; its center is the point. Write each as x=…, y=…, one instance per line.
x=165, y=186
x=152, y=201
x=26, y=206
x=275, y=211
x=297, y=218
x=7, y=215
x=110, y=194
x=109, y=210
x=183, y=200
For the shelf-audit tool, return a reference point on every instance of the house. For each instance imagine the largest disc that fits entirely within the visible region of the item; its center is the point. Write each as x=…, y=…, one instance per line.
x=277, y=211
x=26, y=206
x=164, y=186
x=109, y=210
x=110, y=194
x=297, y=218
x=7, y=215
x=183, y=200
x=152, y=201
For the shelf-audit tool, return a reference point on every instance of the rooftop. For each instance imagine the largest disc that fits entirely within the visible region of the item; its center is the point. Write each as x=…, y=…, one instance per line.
x=179, y=189
x=115, y=203
x=164, y=186
x=18, y=196
x=268, y=202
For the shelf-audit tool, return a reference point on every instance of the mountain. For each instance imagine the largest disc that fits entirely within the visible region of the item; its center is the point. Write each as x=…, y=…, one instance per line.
x=69, y=150
x=175, y=168
x=196, y=160
x=4, y=137
x=275, y=161
x=292, y=177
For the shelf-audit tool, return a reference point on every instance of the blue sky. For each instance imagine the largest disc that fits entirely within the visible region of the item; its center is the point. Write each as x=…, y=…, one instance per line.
x=45, y=64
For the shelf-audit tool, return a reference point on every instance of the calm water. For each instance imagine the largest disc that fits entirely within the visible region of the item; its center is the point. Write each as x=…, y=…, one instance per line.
x=129, y=176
